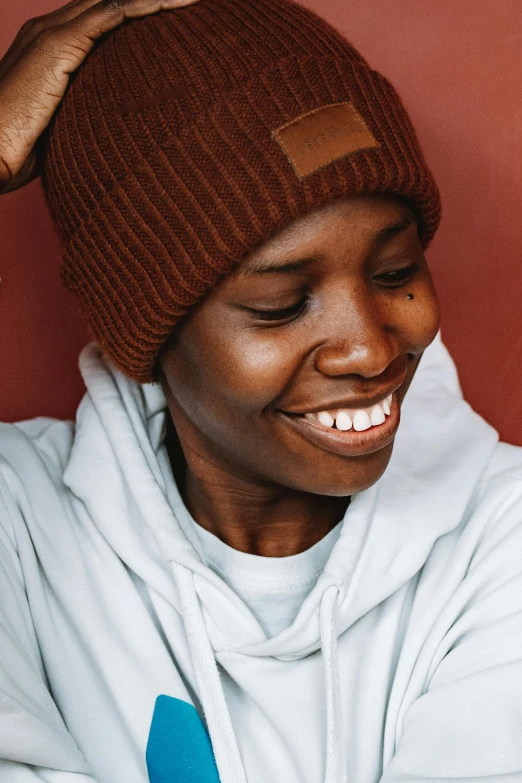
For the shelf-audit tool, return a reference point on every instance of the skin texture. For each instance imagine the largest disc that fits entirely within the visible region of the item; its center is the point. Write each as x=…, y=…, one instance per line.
x=244, y=473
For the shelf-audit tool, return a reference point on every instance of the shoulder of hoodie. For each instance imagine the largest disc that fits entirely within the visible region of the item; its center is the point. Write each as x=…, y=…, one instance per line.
x=498, y=492
x=33, y=457
x=505, y=465
x=44, y=439
x=497, y=506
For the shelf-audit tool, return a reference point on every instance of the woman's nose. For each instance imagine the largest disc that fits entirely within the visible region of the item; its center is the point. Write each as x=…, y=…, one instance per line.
x=357, y=339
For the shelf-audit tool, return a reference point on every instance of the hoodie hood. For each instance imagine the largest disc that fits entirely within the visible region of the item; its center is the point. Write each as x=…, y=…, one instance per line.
x=119, y=464
x=386, y=535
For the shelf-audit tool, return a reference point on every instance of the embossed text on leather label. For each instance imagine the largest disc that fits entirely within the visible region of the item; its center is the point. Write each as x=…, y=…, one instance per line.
x=315, y=139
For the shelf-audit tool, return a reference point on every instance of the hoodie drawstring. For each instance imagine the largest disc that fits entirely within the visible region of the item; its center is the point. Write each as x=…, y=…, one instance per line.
x=211, y=695
x=224, y=743
x=335, y=771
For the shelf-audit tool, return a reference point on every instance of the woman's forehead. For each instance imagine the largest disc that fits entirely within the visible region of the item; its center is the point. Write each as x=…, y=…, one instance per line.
x=377, y=218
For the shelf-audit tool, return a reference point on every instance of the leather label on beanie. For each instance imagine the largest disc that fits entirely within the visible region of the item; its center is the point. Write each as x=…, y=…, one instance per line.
x=317, y=138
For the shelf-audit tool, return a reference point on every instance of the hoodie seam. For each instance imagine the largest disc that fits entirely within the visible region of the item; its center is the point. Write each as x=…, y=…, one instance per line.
x=484, y=481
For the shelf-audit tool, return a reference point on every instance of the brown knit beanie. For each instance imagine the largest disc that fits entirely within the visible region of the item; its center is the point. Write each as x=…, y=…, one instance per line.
x=188, y=137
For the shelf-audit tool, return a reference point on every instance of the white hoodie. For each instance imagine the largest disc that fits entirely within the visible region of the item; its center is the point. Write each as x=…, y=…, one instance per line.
x=125, y=659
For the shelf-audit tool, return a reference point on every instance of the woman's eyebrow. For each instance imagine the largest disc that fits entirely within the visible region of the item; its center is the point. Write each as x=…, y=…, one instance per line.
x=385, y=234
x=263, y=268
x=380, y=238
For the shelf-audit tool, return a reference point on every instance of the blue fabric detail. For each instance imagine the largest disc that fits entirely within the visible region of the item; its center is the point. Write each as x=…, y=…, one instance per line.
x=179, y=748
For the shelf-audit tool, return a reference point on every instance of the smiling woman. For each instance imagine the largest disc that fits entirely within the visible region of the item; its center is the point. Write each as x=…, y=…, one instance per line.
x=316, y=319
x=276, y=544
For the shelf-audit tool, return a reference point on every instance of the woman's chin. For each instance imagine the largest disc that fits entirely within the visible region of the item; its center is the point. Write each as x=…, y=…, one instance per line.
x=346, y=479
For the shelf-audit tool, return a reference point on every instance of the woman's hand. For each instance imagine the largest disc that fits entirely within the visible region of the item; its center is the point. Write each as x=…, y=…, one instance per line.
x=35, y=70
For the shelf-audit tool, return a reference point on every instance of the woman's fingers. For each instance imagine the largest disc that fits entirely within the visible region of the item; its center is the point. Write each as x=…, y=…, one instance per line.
x=30, y=29
x=34, y=73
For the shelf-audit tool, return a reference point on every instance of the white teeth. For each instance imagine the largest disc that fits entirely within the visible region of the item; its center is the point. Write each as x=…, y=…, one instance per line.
x=343, y=421
x=325, y=418
x=377, y=415
x=361, y=421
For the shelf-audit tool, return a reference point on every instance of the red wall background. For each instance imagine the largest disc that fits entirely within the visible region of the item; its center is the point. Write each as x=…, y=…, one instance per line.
x=458, y=68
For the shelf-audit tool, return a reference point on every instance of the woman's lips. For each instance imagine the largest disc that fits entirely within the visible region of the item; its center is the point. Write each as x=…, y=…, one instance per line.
x=348, y=443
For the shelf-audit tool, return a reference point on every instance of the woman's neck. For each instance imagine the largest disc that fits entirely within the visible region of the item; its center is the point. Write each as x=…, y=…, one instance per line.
x=259, y=520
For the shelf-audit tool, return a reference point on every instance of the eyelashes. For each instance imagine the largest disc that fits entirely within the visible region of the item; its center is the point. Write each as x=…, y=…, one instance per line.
x=400, y=274
x=394, y=279
x=281, y=315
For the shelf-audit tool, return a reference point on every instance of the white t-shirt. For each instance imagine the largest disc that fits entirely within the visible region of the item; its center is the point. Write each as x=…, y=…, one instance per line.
x=273, y=588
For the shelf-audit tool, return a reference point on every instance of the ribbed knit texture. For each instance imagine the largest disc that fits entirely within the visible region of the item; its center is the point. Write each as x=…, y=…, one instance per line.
x=154, y=206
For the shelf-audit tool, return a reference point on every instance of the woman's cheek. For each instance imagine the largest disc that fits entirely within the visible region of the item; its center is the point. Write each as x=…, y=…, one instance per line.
x=261, y=363
x=428, y=315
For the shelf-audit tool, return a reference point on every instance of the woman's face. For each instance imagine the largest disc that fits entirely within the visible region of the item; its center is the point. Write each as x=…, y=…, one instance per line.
x=316, y=318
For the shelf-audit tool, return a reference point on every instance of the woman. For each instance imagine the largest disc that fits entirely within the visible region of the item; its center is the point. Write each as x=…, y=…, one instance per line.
x=252, y=557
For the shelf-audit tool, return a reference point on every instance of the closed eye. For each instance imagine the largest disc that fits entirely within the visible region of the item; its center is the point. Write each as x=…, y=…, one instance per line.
x=281, y=315
x=398, y=276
